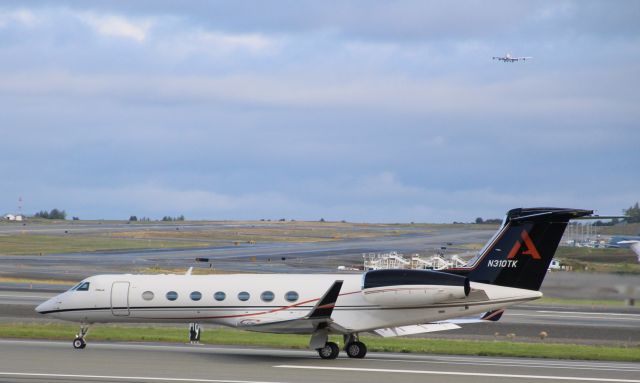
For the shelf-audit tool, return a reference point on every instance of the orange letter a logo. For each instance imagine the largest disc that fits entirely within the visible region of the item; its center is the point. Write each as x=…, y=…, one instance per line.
x=531, y=248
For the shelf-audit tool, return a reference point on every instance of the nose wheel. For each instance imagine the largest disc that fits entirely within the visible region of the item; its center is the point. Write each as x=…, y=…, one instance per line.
x=79, y=343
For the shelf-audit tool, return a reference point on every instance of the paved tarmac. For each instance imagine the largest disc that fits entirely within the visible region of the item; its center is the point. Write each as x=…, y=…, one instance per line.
x=46, y=361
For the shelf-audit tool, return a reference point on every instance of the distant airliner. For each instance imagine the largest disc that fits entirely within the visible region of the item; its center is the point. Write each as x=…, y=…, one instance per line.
x=507, y=271
x=508, y=58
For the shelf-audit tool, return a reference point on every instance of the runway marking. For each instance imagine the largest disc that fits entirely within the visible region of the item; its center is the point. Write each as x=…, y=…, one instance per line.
x=127, y=378
x=474, y=374
x=571, y=366
x=586, y=313
x=599, y=316
x=597, y=365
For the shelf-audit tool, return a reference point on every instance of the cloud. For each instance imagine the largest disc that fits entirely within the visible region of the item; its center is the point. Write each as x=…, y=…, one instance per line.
x=116, y=26
x=309, y=110
x=17, y=16
x=156, y=200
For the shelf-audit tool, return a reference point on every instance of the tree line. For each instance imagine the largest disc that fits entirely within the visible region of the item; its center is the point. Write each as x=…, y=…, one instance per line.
x=53, y=214
x=633, y=212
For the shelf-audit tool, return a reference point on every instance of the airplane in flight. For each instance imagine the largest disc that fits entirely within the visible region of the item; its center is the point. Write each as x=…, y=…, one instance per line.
x=510, y=59
x=393, y=302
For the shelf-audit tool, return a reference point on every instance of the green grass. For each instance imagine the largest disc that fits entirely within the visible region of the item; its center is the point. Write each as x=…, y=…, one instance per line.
x=607, y=260
x=407, y=345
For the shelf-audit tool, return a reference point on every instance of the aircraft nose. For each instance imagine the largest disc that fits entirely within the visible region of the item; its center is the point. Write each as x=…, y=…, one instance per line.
x=45, y=307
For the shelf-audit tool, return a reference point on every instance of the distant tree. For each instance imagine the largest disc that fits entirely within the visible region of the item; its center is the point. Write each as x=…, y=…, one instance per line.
x=167, y=218
x=57, y=214
x=133, y=218
x=479, y=220
x=75, y=218
x=42, y=214
x=493, y=220
x=633, y=213
x=53, y=214
x=321, y=219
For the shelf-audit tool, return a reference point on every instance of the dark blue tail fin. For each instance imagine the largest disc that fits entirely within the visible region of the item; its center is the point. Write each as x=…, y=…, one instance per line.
x=520, y=252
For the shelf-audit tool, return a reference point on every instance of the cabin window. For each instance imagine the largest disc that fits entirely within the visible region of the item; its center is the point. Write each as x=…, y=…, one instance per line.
x=267, y=296
x=172, y=295
x=291, y=296
x=83, y=287
x=195, y=296
x=243, y=296
x=219, y=296
x=147, y=295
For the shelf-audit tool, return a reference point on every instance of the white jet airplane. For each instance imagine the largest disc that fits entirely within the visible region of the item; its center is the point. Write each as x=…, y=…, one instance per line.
x=507, y=271
x=508, y=58
x=635, y=246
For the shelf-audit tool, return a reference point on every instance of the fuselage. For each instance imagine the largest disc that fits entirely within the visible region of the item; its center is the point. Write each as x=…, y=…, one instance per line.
x=250, y=301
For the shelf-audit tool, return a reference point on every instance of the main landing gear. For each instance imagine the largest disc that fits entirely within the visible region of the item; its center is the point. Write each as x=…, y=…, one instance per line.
x=329, y=351
x=353, y=347
x=79, y=343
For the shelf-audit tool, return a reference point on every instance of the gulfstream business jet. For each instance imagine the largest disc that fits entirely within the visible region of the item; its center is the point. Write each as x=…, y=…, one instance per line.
x=508, y=270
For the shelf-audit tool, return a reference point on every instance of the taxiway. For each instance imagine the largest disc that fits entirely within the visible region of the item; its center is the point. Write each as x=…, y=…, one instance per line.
x=45, y=361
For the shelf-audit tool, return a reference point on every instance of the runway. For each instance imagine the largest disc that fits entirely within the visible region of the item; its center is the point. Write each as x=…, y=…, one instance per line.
x=45, y=361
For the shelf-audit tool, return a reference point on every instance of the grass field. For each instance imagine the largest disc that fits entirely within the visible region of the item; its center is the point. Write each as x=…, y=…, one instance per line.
x=174, y=235
x=21, y=244
x=407, y=345
x=604, y=260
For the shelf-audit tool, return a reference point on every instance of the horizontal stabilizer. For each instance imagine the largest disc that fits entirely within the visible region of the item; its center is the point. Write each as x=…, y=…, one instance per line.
x=415, y=329
x=491, y=316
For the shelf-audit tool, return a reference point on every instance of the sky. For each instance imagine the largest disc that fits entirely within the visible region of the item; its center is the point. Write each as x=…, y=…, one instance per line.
x=365, y=111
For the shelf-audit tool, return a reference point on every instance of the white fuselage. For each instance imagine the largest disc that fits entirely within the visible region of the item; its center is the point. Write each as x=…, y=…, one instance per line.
x=121, y=298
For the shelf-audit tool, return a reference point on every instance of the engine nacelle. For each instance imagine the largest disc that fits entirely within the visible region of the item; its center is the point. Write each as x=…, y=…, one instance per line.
x=399, y=288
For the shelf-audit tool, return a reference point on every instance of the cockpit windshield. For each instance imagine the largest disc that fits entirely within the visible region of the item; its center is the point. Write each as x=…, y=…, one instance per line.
x=82, y=286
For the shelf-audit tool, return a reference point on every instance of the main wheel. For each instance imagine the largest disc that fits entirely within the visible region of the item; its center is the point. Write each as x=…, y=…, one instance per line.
x=356, y=350
x=329, y=351
x=79, y=343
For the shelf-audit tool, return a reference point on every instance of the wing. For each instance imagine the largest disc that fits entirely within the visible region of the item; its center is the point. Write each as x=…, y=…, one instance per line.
x=415, y=329
x=451, y=324
x=320, y=314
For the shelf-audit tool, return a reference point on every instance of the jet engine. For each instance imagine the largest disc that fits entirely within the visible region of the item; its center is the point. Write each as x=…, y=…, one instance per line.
x=399, y=288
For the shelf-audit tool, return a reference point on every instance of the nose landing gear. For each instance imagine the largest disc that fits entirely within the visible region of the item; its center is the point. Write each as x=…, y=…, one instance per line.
x=79, y=343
